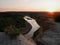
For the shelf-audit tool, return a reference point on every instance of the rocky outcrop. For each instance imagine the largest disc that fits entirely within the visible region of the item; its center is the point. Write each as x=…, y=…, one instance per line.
x=45, y=24
x=5, y=40
x=52, y=36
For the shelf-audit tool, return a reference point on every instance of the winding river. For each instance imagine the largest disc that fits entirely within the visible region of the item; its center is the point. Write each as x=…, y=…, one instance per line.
x=26, y=39
x=34, y=25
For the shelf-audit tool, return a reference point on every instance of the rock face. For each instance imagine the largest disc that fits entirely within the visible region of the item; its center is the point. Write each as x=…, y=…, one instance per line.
x=52, y=36
x=5, y=40
x=44, y=22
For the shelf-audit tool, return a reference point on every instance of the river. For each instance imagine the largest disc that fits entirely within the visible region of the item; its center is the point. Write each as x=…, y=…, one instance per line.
x=34, y=25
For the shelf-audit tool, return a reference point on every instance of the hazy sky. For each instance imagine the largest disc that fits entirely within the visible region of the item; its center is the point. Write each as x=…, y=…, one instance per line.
x=30, y=5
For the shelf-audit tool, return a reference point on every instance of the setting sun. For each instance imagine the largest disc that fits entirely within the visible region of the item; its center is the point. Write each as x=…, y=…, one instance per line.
x=51, y=5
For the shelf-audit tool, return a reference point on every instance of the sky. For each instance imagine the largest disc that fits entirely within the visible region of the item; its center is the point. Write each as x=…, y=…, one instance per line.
x=30, y=5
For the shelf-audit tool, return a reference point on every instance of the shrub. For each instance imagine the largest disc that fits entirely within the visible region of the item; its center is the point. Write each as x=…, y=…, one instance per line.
x=12, y=32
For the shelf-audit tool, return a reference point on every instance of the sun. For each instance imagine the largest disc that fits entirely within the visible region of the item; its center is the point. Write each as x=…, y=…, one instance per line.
x=50, y=9
x=51, y=5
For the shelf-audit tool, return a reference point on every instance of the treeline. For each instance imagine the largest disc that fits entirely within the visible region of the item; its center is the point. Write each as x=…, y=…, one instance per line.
x=11, y=23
